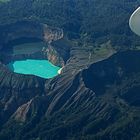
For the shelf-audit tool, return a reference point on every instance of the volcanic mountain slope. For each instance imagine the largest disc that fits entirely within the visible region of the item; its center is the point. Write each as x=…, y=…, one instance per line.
x=100, y=102
x=97, y=94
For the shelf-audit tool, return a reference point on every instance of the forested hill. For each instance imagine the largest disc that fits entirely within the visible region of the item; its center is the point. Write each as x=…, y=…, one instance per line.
x=89, y=20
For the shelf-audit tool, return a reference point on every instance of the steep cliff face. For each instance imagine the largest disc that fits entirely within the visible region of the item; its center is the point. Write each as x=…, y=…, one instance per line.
x=52, y=34
x=58, y=52
x=53, y=56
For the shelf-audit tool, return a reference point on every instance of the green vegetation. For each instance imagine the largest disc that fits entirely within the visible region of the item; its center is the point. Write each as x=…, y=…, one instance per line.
x=89, y=21
x=102, y=101
x=4, y=0
x=102, y=52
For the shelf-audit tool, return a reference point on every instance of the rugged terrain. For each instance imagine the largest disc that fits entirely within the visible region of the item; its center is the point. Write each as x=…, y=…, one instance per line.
x=97, y=94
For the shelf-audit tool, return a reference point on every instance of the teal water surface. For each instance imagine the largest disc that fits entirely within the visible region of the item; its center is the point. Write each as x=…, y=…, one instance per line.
x=41, y=68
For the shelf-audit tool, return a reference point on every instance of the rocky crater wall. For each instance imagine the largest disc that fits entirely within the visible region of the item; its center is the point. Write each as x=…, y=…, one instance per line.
x=17, y=89
x=31, y=31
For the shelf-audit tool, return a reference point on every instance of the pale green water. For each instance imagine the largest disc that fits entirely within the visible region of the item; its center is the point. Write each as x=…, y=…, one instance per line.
x=41, y=68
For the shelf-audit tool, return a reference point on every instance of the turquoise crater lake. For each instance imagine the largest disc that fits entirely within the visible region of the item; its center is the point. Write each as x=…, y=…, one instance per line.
x=41, y=68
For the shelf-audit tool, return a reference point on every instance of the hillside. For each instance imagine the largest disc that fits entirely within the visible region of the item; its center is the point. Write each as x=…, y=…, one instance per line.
x=96, y=97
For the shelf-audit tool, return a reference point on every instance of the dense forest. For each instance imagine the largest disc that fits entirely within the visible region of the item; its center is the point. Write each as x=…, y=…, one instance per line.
x=88, y=20
x=93, y=99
